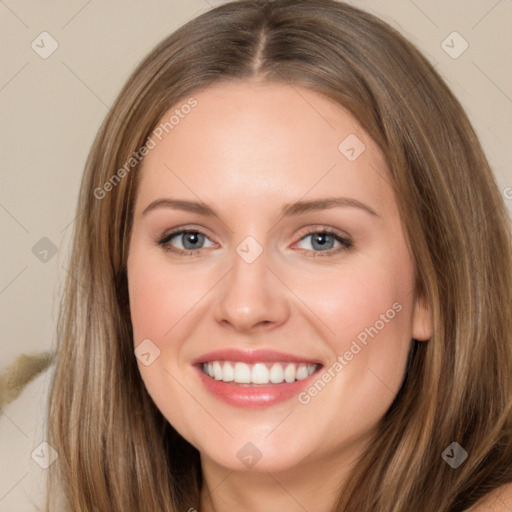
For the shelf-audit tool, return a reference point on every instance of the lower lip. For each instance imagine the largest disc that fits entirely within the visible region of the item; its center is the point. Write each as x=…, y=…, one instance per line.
x=256, y=396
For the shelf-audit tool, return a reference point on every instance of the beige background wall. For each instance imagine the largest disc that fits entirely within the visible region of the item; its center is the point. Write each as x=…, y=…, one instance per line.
x=51, y=107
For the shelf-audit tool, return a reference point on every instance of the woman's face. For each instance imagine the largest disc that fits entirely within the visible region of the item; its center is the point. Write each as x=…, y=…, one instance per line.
x=296, y=263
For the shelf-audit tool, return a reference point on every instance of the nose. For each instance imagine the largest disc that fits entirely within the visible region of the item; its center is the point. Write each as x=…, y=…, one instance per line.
x=252, y=297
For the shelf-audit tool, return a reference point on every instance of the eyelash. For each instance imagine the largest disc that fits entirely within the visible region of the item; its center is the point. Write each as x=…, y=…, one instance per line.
x=346, y=244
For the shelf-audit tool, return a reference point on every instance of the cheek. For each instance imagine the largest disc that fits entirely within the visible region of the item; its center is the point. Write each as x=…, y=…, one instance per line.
x=366, y=317
x=366, y=321
x=159, y=297
x=359, y=298
x=151, y=304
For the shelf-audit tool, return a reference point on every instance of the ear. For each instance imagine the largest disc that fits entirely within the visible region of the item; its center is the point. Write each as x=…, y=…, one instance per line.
x=422, y=325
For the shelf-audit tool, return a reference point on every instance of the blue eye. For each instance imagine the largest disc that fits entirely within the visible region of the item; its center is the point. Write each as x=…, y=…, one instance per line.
x=324, y=240
x=192, y=241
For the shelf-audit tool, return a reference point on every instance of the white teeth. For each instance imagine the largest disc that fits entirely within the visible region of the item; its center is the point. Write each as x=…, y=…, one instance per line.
x=258, y=373
x=276, y=374
x=242, y=373
x=302, y=372
x=217, y=370
x=228, y=372
x=289, y=373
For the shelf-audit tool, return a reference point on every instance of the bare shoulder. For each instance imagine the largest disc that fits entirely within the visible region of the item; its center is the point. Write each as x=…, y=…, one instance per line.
x=500, y=500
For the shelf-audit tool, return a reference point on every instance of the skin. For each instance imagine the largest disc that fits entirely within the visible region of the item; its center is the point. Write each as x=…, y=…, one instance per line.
x=247, y=149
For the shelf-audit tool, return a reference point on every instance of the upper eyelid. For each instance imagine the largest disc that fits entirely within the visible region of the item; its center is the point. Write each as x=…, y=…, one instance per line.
x=179, y=231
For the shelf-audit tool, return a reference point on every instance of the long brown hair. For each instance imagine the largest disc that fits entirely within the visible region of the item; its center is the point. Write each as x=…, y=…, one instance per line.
x=116, y=450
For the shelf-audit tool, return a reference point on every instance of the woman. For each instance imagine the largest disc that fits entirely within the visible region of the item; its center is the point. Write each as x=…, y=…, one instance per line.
x=247, y=372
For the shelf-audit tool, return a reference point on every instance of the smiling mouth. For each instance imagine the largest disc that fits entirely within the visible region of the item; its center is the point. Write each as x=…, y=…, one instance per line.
x=258, y=374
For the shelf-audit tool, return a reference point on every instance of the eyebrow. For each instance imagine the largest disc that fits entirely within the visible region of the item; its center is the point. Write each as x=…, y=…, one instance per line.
x=288, y=210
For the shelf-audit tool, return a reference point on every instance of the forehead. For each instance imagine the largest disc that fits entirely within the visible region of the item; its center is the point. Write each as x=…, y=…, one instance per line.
x=243, y=140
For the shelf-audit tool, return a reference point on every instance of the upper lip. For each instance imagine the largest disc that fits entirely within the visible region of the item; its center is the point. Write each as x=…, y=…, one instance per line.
x=252, y=356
